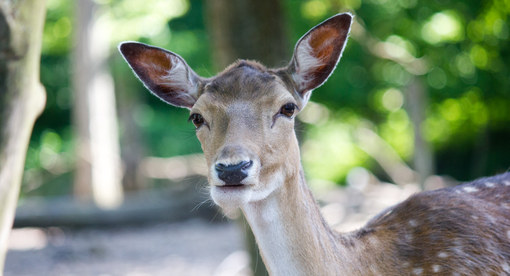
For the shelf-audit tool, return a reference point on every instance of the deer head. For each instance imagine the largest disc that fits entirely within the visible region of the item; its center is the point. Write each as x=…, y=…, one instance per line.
x=244, y=116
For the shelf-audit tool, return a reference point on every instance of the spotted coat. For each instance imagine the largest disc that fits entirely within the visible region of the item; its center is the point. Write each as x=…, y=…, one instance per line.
x=462, y=230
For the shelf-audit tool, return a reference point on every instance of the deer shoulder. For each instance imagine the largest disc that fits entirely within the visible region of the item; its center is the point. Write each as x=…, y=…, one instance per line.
x=462, y=230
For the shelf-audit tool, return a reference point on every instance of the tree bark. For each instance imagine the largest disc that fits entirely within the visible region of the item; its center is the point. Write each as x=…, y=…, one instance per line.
x=22, y=98
x=248, y=29
x=423, y=159
x=133, y=149
x=98, y=171
x=81, y=78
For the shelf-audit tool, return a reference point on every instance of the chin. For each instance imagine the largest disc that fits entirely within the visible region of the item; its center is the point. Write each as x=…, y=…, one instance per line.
x=230, y=199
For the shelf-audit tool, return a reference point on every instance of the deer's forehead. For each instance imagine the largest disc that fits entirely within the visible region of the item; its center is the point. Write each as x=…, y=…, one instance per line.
x=243, y=79
x=243, y=87
x=242, y=104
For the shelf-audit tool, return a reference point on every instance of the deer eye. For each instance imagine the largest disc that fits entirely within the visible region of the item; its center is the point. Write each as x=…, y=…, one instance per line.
x=196, y=119
x=288, y=109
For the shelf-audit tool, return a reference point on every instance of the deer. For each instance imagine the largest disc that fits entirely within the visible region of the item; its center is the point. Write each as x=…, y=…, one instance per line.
x=244, y=119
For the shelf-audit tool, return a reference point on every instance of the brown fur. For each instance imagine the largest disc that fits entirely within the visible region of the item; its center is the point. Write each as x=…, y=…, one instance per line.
x=457, y=229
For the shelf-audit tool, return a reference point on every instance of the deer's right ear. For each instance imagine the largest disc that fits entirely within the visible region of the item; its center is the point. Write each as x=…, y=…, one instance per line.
x=164, y=73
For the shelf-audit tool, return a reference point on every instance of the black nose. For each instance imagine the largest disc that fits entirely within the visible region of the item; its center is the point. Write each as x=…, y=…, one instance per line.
x=233, y=174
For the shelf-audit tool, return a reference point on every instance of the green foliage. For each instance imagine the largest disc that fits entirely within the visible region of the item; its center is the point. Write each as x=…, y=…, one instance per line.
x=458, y=49
x=58, y=28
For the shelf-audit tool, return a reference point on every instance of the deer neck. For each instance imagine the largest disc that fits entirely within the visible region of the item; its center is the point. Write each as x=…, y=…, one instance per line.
x=292, y=235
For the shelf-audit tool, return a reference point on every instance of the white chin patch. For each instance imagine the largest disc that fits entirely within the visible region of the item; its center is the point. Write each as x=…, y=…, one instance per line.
x=230, y=199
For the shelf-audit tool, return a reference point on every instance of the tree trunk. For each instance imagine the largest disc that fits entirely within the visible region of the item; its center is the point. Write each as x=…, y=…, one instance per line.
x=417, y=103
x=22, y=98
x=248, y=29
x=83, y=171
x=98, y=171
x=133, y=148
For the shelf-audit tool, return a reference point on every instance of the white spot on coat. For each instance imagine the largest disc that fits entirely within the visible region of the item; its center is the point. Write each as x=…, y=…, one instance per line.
x=408, y=237
x=436, y=268
x=489, y=184
x=442, y=254
x=505, y=267
x=417, y=271
x=413, y=223
x=458, y=250
x=470, y=189
x=491, y=218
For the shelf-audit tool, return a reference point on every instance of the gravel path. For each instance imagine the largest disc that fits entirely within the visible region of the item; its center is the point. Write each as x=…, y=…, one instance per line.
x=194, y=247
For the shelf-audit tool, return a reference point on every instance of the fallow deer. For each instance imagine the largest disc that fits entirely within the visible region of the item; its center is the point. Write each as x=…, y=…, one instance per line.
x=244, y=119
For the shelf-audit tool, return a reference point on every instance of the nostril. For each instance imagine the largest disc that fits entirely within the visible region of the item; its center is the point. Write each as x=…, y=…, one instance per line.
x=246, y=164
x=220, y=167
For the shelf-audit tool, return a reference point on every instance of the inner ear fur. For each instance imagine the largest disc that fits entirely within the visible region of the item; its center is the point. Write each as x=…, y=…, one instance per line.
x=317, y=53
x=164, y=73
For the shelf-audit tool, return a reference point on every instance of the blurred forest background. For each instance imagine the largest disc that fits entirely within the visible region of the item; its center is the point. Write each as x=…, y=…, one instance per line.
x=427, y=82
x=422, y=89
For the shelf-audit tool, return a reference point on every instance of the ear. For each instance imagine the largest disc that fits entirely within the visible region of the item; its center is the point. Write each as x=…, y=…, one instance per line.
x=317, y=53
x=164, y=73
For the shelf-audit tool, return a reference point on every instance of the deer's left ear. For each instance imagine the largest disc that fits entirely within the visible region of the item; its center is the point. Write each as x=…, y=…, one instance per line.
x=317, y=53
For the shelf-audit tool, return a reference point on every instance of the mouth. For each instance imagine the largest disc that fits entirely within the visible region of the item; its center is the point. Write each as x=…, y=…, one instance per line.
x=232, y=187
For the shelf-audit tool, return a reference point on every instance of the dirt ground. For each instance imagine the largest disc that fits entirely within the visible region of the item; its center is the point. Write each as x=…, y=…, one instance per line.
x=194, y=247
